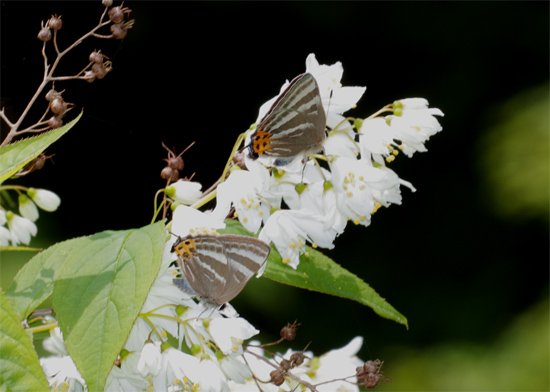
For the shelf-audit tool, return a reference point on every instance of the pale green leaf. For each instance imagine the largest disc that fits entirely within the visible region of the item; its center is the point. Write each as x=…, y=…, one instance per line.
x=99, y=293
x=16, y=155
x=33, y=284
x=19, y=366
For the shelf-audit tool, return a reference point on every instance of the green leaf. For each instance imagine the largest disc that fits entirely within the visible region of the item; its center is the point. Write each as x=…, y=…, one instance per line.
x=99, y=292
x=320, y=273
x=19, y=366
x=33, y=284
x=16, y=155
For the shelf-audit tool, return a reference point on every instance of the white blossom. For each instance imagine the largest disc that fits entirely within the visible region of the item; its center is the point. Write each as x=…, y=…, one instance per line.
x=47, y=200
x=21, y=229
x=27, y=208
x=185, y=192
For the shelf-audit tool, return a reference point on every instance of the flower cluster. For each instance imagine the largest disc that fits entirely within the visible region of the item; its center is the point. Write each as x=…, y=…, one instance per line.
x=353, y=183
x=20, y=228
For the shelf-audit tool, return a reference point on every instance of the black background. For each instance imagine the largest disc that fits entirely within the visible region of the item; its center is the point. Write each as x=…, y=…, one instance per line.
x=199, y=71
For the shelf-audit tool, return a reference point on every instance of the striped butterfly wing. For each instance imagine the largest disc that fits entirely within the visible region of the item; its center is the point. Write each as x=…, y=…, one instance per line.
x=218, y=267
x=246, y=256
x=295, y=123
x=207, y=268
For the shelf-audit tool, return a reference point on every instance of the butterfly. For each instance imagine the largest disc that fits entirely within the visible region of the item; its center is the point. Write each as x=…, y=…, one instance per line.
x=217, y=268
x=294, y=125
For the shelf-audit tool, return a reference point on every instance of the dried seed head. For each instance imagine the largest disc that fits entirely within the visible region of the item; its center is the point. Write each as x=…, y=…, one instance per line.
x=89, y=76
x=120, y=30
x=285, y=364
x=58, y=106
x=116, y=14
x=297, y=359
x=52, y=94
x=289, y=332
x=96, y=56
x=169, y=174
x=101, y=69
x=45, y=34
x=277, y=377
x=107, y=3
x=55, y=22
x=55, y=122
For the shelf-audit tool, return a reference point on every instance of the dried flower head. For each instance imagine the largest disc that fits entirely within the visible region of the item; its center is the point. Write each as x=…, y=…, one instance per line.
x=55, y=22
x=45, y=34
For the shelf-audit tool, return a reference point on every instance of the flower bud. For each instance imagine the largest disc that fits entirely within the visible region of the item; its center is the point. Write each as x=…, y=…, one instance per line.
x=55, y=22
x=27, y=208
x=45, y=199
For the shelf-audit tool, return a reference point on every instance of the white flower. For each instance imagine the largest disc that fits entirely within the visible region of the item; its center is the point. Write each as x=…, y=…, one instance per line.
x=126, y=377
x=211, y=378
x=290, y=229
x=336, y=99
x=62, y=374
x=242, y=190
x=234, y=369
x=187, y=220
x=150, y=359
x=55, y=343
x=3, y=219
x=5, y=236
x=47, y=200
x=413, y=124
x=177, y=369
x=354, y=195
x=229, y=333
x=376, y=139
x=27, y=208
x=21, y=229
x=337, y=365
x=185, y=192
x=315, y=194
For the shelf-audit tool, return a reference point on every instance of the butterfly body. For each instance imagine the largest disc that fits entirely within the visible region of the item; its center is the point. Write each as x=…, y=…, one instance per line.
x=217, y=268
x=294, y=125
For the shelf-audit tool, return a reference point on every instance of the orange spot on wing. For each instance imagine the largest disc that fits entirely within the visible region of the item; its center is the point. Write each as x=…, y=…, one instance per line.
x=261, y=142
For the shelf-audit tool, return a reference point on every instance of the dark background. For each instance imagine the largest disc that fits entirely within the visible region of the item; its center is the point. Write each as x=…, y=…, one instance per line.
x=457, y=268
